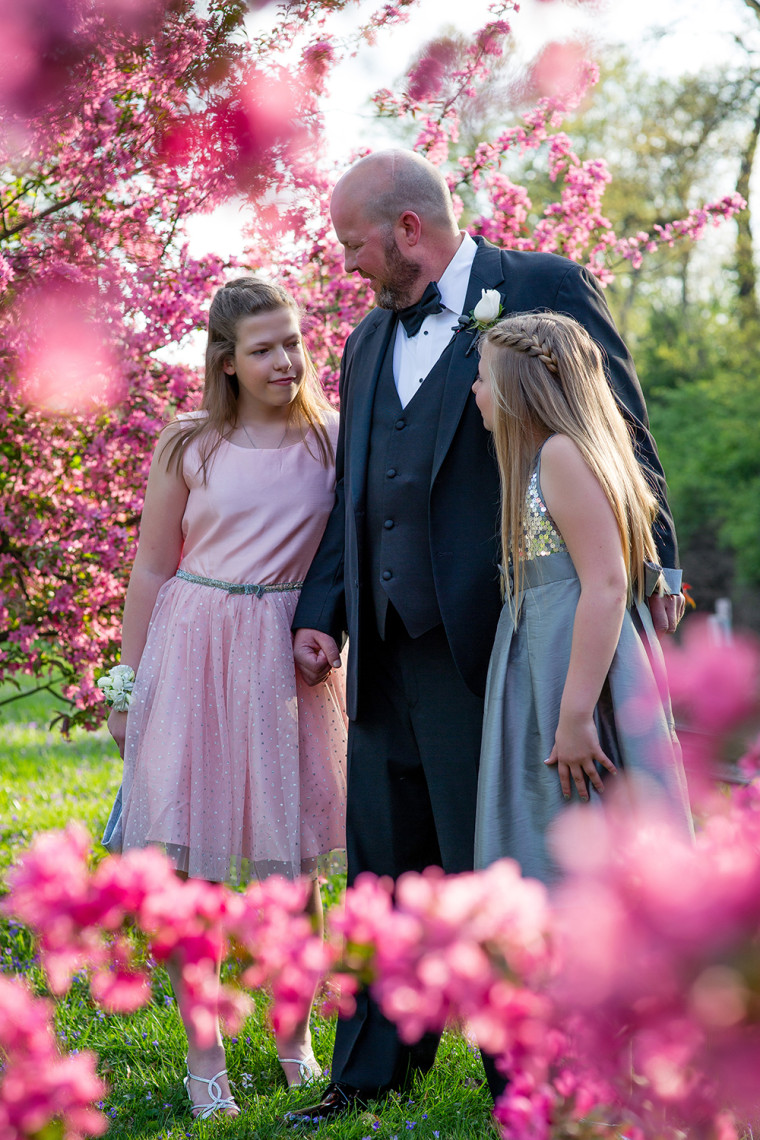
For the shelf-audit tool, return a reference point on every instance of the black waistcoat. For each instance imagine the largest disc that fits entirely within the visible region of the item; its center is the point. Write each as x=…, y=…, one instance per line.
x=399, y=469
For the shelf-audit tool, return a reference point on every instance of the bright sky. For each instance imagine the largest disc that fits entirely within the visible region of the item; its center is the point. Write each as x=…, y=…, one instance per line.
x=692, y=38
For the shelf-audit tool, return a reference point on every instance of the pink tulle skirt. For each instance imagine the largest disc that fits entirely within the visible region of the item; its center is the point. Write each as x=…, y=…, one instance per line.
x=233, y=764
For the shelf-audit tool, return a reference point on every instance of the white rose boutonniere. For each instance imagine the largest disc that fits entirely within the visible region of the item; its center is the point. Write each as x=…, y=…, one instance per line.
x=117, y=685
x=485, y=314
x=488, y=309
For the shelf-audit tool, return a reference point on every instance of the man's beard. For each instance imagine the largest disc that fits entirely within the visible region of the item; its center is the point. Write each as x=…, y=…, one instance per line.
x=397, y=293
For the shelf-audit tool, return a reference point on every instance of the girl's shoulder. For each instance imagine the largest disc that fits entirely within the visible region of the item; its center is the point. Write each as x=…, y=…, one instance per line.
x=190, y=419
x=179, y=438
x=565, y=474
x=561, y=452
x=181, y=422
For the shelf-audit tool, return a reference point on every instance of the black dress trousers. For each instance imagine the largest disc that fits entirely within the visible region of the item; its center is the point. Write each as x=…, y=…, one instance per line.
x=412, y=773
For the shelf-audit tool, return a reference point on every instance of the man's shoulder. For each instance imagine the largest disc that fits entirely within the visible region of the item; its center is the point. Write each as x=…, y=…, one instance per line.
x=376, y=316
x=538, y=264
x=374, y=319
x=528, y=279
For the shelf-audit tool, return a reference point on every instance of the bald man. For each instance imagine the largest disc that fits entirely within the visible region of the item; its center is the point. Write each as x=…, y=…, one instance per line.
x=408, y=564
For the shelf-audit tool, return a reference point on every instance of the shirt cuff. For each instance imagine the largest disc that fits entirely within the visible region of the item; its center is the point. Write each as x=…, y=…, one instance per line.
x=672, y=579
x=661, y=579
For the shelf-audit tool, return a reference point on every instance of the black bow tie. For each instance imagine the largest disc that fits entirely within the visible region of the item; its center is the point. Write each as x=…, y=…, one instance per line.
x=429, y=303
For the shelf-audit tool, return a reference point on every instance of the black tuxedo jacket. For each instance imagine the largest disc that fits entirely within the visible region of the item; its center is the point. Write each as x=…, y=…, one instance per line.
x=464, y=487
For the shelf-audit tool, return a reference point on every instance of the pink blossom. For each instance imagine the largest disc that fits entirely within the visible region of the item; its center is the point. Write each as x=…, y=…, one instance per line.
x=38, y=1086
x=69, y=366
x=715, y=685
x=426, y=77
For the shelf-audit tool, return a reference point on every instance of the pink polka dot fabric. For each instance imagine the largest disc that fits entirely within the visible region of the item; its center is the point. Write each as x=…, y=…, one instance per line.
x=233, y=765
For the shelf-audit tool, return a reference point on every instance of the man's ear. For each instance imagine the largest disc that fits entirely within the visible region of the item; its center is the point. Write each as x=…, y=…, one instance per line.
x=409, y=228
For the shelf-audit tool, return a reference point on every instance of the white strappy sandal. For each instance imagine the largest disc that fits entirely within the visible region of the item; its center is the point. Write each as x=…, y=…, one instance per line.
x=308, y=1067
x=217, y=1103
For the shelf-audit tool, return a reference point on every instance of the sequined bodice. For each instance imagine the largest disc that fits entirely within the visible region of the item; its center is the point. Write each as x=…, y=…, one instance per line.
x=540, y=535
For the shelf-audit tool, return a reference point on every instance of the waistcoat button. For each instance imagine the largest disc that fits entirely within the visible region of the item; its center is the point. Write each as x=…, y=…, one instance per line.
x=400, y=425
x=388, y=524
x=386, y=575
x=390, y=473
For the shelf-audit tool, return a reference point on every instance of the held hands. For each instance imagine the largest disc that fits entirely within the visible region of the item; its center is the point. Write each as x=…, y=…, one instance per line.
x=576, y=747
x=117, y=726
x=316, y=655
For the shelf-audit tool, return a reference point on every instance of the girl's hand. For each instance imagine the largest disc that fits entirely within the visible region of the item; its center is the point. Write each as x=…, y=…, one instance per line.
x=576, y=747
x=117, y=726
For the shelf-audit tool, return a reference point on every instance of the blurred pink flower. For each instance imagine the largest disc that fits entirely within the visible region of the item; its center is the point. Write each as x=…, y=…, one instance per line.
x=255, y=124
x=69, y=365
x=44, y=42
x=426, y=78
x=38, y=1086
x=558, y=71
x=713, y=684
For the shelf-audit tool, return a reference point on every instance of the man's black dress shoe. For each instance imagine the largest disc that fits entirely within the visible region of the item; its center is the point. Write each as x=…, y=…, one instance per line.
x=336, y=1098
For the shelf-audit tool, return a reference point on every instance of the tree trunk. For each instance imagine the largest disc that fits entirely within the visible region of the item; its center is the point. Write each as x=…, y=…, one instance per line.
x=746, y=272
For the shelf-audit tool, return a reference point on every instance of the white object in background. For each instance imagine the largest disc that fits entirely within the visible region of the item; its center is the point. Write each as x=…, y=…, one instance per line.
x=721, y=620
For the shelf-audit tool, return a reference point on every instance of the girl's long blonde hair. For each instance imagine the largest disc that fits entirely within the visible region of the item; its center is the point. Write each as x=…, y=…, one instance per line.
x=245, y=297
x=547, y=376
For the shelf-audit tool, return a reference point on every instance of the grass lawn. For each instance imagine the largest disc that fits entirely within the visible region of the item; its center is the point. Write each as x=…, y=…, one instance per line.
x=45, y=781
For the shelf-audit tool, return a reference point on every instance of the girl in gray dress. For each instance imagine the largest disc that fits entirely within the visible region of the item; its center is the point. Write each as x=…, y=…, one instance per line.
x=576, y=688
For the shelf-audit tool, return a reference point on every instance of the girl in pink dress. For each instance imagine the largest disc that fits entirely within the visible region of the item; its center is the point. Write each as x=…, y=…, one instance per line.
x=233, y=764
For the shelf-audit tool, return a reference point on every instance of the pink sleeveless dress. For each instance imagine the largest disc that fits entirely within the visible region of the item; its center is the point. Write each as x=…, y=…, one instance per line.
x=232, y=764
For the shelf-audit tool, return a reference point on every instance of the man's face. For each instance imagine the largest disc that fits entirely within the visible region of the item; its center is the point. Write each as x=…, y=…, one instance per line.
x=370, y=249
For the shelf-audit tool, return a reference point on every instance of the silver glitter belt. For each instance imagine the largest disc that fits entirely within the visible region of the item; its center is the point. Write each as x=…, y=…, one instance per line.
x=239, y=587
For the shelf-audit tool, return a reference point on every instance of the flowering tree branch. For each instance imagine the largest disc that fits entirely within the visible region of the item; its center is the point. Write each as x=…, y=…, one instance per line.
x=9, y=232
x=158, y=114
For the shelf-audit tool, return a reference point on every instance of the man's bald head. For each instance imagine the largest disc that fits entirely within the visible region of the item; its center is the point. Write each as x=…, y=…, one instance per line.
x=393, y=216
x=389, y=182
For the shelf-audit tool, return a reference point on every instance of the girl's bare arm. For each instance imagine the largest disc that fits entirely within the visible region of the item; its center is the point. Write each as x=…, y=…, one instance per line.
x=586, y=522
x=156, y=561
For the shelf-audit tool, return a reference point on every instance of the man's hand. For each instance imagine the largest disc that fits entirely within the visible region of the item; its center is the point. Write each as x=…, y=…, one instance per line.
x=666, y=610
x=316, y=654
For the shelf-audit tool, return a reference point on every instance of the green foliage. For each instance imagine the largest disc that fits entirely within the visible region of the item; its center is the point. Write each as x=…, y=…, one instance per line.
x=670, y=143
x=699, y=371
x=46, y=778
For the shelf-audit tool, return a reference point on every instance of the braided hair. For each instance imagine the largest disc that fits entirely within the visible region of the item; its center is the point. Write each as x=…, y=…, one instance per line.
x=547, y=376
x=529, y=343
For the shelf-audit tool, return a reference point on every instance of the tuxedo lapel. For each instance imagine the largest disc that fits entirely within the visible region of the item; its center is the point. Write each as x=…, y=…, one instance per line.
x=486, y=273
x=365, y=370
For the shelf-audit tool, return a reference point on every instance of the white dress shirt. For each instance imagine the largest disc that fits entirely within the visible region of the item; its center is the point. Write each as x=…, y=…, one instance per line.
x=414, y=356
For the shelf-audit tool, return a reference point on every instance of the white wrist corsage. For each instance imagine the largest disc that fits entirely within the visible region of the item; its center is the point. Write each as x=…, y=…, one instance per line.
x=117, y=685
